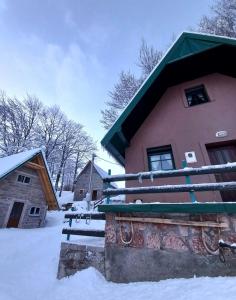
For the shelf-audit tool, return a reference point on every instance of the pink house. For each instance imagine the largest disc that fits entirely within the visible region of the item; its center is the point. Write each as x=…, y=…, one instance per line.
x=186, y=109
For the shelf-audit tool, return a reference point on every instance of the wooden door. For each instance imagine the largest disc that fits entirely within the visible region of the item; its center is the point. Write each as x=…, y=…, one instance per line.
x=94, y=195
x=15, y=215
x=223, y=155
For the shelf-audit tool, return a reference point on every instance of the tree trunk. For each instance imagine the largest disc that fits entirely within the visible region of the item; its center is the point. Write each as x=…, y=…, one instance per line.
x=62, y=181
x=75, y=172
x=59, y=171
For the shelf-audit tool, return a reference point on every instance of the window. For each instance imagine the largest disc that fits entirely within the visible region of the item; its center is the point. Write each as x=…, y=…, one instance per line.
x=34, y=211
x=196, y=95
x=23, y=179
x=160, y=159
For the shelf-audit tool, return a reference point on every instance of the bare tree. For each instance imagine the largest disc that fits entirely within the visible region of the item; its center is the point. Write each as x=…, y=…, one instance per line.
x=66, y=147
x=26, y=124
x=128, y=85
x=223, y=19
x=120, y=96
x=18, y=119
x=76, y=146
x=50, y=129
x=83, y=151
x=148, y=58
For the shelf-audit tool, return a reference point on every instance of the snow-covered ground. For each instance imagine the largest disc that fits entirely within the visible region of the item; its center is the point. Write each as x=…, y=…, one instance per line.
x=28, y=268
x=65, y=197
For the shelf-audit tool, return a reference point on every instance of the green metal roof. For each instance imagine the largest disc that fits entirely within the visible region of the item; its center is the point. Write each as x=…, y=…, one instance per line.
x=186, y=46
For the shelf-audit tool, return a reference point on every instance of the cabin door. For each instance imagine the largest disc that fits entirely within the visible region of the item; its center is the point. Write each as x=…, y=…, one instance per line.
x=223, y=155
x=94, y=195
x=15, y=215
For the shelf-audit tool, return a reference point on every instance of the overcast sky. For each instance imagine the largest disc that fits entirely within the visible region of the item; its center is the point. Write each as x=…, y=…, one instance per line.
x=70, y=52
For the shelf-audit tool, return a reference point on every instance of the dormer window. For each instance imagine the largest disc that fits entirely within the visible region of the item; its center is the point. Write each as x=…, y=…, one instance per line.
x=23, y=179
x=196, y=95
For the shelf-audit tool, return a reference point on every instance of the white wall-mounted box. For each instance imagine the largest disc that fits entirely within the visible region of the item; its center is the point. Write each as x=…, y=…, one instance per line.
x=190, y=157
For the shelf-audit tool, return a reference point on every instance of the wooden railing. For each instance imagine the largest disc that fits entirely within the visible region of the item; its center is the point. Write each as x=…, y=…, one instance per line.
x=186, y=172
x=84, y=232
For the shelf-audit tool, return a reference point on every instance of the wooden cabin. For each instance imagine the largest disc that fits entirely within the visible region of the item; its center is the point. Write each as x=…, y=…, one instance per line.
x=83, y=179
x=26, y=190
x=184, y=111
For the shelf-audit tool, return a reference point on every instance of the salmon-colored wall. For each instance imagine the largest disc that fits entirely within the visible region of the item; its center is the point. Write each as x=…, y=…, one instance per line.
x=185, y=128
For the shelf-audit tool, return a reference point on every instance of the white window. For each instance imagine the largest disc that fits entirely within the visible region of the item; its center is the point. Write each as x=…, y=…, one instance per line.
x=23, y=179
x=34, y=211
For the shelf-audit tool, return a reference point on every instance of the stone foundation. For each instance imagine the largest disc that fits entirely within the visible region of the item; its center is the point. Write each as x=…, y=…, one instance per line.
x=160, y=251
x=74, y=257
x=147, y=251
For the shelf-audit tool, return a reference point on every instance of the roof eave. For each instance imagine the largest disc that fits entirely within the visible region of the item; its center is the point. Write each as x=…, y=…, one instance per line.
x=115, y=154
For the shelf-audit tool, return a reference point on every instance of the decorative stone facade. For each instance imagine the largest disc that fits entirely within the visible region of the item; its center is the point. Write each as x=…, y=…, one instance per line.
x=146, y=251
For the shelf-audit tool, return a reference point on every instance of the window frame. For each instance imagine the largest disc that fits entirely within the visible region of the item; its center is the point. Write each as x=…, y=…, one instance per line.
x=192, y=88
x=81, y=192
x=159, y=151
x=24, y=179
x=34, y=213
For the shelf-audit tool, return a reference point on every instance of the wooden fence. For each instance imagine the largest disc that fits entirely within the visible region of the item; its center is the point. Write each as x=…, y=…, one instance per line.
x=187, y=187
x=83, y=232
x=186, y=172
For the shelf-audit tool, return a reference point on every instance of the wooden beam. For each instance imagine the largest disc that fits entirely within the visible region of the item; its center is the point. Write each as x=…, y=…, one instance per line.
x=34, y=165
x=95, y=216
x=84, y=232
x=198, y=187
x=173, y=222
x=212, y=169
x=46, y=185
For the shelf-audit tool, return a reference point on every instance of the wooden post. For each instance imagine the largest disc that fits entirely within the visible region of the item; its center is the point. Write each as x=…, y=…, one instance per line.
x=68, y=235
x=107, y=186
x=188, y=181
x=90, y=183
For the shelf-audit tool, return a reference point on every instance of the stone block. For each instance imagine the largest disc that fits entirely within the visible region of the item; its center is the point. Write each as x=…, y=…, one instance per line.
x=74, y=257
x=174, y=242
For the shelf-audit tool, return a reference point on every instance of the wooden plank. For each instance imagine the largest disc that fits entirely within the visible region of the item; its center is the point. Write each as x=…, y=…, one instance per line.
x=195, y=187
x=173, y=222
x=45, y=181
x=83, y=232
x=86, y=216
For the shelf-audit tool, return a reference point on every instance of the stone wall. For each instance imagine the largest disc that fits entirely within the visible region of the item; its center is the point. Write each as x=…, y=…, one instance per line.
x=31, y=195
x=74, y=257
x=160, y=251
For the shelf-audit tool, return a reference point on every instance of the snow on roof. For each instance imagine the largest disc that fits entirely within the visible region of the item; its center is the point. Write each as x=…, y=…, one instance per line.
x=100, y=171
x=103, y=174
x=9, y=163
